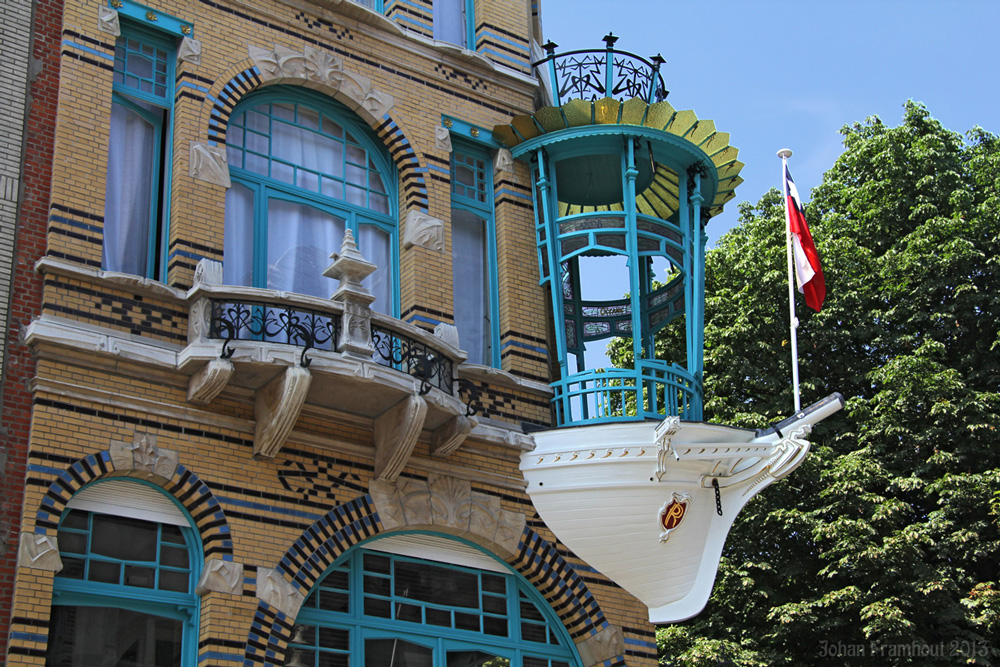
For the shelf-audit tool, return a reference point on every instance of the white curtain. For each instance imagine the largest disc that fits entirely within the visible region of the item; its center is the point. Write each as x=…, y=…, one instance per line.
x=374, y=245
x=299, y=242
x=131, y=151
x=237, y=249
x=449, y=21
x=470, y=287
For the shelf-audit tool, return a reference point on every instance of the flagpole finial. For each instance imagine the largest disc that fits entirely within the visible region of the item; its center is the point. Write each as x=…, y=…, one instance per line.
x=785, y=153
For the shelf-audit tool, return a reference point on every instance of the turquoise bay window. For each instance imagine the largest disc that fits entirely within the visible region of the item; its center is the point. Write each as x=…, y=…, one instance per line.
x=125, y=594
x=380, y=608
x=303, y=172
x=473, y=255
x=136, y=199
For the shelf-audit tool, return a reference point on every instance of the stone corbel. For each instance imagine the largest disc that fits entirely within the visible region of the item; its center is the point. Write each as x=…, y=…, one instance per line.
x=107, y=20
x=504, y=161
x=442, y=138
x=221, y=576
x=189, y=51
x=143, y=457
x=604, y=645
x=209, y=163
x=396, y=432
x=422, y=230
x=277, y=408
x=446, y=439
x=278, y=593
x=206, y=384
x=40, y=552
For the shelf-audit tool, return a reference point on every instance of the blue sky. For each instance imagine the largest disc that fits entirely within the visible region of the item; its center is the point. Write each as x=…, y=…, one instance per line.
x=778, y=74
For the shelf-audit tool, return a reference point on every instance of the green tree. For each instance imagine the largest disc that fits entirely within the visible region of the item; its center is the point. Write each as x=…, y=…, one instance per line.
x=884, y=547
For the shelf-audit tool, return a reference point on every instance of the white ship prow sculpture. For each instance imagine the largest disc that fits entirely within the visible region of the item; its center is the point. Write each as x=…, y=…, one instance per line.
x=650, y=504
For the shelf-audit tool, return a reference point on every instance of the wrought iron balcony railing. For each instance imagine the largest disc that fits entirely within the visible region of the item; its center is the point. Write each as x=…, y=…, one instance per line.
x=593, y=74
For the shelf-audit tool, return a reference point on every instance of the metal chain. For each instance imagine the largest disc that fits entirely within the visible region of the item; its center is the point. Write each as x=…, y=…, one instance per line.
x=718, y=496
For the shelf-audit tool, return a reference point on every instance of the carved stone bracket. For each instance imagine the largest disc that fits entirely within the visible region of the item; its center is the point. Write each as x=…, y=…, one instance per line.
x=446, y=502
x=448, y=438
x=278, y=593
x=442, y=138
x=396, y=432
x=448, y=333
x=321, y=67
x=206, y=384
x=277, y=408
x=107, y=20
x=423, y=230
x=209, y=163
x=40, y=552
x=189, y=51
x=601, y=646
x=221, y=576
x=504, y=161
x=143, y=457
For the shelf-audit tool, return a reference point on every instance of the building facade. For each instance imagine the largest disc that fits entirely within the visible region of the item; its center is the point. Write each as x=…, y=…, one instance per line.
x=280, y=344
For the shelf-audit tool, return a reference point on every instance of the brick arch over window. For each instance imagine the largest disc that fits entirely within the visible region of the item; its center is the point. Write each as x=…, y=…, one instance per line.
x=184, y=485
x=357, y=520
x=248, y=77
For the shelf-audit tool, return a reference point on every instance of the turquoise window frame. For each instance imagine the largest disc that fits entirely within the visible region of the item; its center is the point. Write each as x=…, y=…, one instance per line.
x=185, y=607
x=487, y=211
x=162, y=162
x=265, y=188
x=469, y=28
x=440, y=638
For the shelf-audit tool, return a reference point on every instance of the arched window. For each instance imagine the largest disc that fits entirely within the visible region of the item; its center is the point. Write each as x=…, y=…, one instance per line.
x=125, y=594
x=303, y=171
x=424, y=601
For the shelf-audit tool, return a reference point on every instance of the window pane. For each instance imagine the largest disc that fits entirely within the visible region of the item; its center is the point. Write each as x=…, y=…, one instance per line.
x=449, y=21
x=174, y=581
x=299, y=242
x=396, y=653
x=476, y=659
x=237, y=265
x=470, y=289
x=437, y=585
x=90, y=636
x=140, y=576
x=129, y=193
x=374, y=245
x=124, y=538
x=104, y=572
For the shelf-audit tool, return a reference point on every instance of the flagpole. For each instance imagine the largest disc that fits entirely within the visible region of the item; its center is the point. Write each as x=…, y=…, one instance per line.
x=784, y=154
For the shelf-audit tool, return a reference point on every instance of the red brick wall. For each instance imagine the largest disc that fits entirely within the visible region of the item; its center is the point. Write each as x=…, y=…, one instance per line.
x=25, y=302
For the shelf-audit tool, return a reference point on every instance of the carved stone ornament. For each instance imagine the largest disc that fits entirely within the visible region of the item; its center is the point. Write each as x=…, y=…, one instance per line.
x=277, y=408
x=278, y=593
x=323, y=67
x=448, y=333
x=206, y=384
x=601, y=646
x=189, y=51
x=442, y=138
x=40, y=552
x=422, y=230
x=107, y=20
x=447, y=502
x=199, y=320
x=280, y=62
x=143, y=457
x=504, y=161
x=396, y=433
x=672, y=513
x=209, y=163
x=448, y=438
x=221, y=576
x=208, y=272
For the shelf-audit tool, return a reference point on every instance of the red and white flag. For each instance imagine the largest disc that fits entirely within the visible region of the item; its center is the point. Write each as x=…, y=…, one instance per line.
x=808, y=271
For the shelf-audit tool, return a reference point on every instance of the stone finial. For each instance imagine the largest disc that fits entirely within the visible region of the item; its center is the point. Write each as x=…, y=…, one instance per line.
x=350, y=268
x=208, y=272
x=448, y=333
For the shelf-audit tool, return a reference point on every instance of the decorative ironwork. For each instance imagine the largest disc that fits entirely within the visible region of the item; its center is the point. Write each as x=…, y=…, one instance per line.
x=273, y=323
x=587, y=74
x=413, y=358
x=472, y=395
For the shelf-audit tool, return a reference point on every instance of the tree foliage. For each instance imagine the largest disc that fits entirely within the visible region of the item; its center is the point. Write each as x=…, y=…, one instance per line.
x=884, y=547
